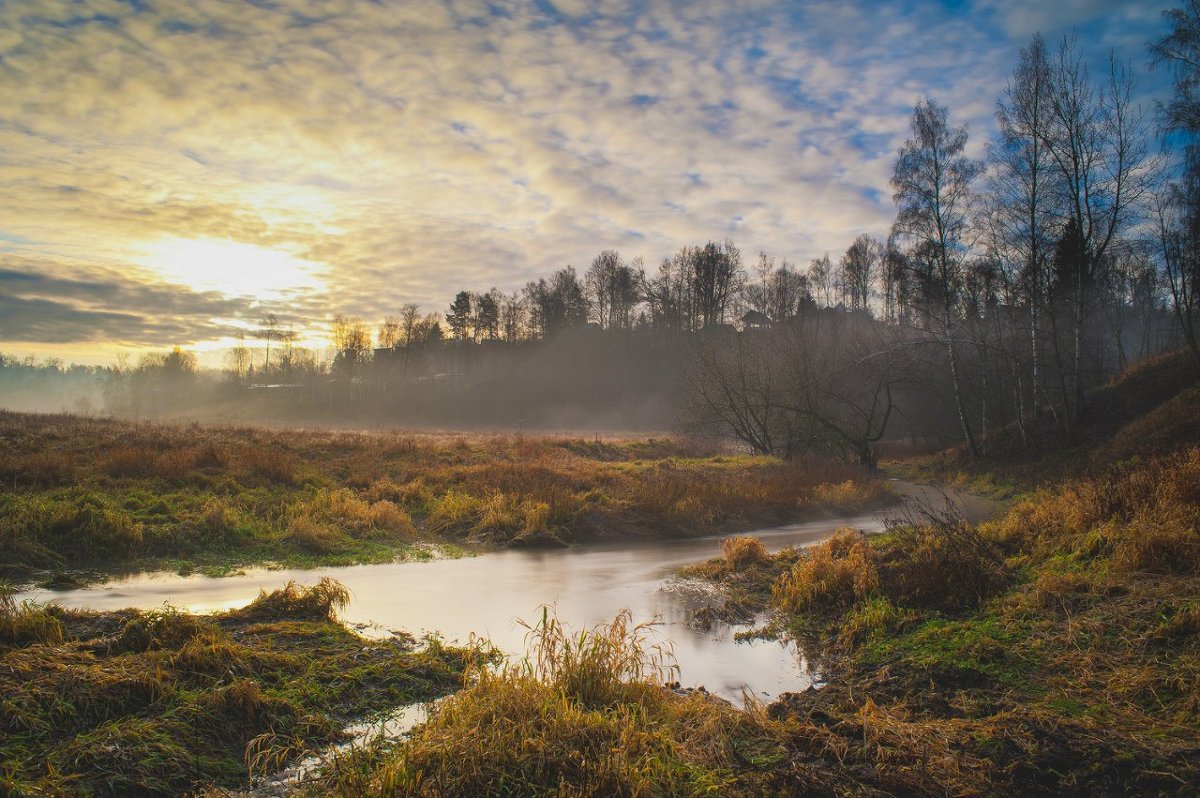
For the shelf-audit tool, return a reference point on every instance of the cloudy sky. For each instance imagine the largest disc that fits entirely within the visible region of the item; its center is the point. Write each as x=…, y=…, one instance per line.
x=173, y=170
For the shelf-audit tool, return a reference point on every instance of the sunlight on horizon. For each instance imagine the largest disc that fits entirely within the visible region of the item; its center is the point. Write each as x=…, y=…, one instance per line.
x=232, y=267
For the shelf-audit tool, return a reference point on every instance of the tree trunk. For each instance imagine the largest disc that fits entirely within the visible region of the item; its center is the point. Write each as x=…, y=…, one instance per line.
x=972, y=448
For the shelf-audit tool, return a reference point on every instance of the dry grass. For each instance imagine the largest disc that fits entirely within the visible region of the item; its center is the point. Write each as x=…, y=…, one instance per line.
x=741, y=553
x=320, y=602
x=585, y=714
x=189, y=496
x=1053, y=651
x=167, y=703
x=836, y=573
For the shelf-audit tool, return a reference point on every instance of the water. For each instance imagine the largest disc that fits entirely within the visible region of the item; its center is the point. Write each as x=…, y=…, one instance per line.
x=487, y=594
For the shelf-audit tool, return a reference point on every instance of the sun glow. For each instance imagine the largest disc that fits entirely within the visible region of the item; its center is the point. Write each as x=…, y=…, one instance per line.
x=232, y=267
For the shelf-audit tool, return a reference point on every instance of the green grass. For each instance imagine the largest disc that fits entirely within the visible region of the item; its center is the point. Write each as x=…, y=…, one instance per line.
x=1053, y=650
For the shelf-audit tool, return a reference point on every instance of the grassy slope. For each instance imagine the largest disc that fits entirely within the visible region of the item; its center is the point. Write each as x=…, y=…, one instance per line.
x=1054, y=651
x=92, y=493
x=1151, y=409
x=160, y=703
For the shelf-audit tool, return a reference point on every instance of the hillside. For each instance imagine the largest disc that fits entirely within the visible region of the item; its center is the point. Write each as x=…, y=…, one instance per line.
x=1152, y=408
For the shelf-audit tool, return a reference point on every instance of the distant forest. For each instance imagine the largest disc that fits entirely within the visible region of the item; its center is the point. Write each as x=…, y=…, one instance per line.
x=1005, y=290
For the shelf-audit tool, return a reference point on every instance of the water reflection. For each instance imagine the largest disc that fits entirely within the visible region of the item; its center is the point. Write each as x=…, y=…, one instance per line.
x=485, y=596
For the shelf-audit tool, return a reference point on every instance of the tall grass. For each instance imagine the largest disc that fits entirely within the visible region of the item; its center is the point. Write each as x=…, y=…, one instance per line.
x=159, y=495
x=584, y=714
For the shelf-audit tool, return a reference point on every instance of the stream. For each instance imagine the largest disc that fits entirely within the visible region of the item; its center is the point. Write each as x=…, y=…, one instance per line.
x=586, y=585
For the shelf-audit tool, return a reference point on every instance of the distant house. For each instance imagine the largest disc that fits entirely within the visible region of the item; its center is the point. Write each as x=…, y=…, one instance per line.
x=755, y=320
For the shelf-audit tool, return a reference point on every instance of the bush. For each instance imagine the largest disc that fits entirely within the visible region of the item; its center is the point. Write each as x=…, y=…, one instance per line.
x=744, y=552
x=833, y=574
x=941, y=563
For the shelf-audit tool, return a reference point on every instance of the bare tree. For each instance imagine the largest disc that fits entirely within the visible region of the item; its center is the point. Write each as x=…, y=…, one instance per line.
x=351, y=340
x=822, y=279
x=821, y=383
x=932, y=181
x=857, y=269
x=1024, y=220
x=716, y=273
x=1179, y=251
x=1098, y=142
x=612, y=287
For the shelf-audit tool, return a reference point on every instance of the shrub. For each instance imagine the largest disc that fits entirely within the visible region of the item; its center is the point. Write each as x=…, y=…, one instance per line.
x=941, y=563
x=743, y=552
x=836, y=573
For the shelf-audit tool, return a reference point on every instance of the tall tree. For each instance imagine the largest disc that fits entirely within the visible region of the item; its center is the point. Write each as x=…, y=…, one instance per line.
x=556, y=304
x=1178, y=207
x=1024, y=220
x=1097, y=139
x=932, y=180
x=1180, y=51
x=488, y=314
x=459, y=316
x=857, y=269
x=351, y=340
x=716, y=272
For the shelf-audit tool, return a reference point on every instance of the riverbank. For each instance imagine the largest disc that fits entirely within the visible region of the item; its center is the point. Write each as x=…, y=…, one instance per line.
x=164, y=702
x=82, y=498
x=1051, y=651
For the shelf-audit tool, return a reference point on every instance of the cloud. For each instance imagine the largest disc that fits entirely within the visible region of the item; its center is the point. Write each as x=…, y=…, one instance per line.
x=414, y=148
x=44, y=300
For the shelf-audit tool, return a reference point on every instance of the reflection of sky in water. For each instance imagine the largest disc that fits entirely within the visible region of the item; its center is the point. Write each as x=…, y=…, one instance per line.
x=485, y=595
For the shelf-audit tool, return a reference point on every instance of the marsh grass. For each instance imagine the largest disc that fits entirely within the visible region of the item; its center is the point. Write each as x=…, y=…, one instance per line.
x=1053, y=650
x=87, y=494
x=585, y=713
x=166, y=703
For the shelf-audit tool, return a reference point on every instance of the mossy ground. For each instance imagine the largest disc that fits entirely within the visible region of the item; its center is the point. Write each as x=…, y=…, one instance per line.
x=165, y=703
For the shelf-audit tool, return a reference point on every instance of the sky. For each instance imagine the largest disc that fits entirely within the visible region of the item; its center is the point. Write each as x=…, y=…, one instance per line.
x=172, y=171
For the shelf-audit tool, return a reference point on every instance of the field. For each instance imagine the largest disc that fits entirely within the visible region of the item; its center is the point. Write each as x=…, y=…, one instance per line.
x=166, y=703
x=83, y=497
